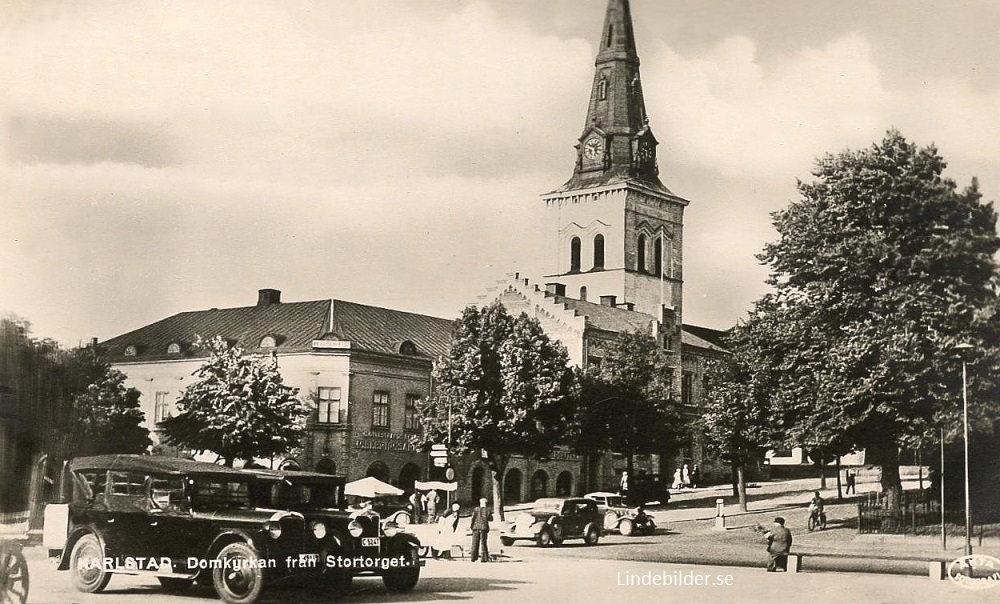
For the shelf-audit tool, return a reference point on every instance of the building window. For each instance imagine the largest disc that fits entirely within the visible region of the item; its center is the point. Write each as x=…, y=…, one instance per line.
x=687, y=385
x=574, y=255
x=174, y=348
x=669, y=371
x=602, y=90
x=130, y=351
x=658, y=257
x=705, y=383
x=268, y=342
x=380, y=409
x=598, y=251
x=640, y=254
x=411, y=418
x=330, y=409
x=583, y=293
x=611, y=35
x=594, y=363
x=163, y=408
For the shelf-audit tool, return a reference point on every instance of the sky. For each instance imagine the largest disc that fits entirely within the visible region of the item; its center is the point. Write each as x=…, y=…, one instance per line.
x=163, y=157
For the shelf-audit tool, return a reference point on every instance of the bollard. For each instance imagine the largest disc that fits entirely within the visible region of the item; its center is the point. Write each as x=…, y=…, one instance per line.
x=935, y=570
x=720, y=517
x=794, y=562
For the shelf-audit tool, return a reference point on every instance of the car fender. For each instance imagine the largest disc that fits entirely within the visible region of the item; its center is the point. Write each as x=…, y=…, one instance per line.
x=71, y=540
x=401, y=543
x=232, y=536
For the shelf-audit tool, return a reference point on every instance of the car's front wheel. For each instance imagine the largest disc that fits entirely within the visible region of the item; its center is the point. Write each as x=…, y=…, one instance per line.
x=626, y=527
x=86, y=563
x=610, y=521
x=591, y=534
x=237, y=575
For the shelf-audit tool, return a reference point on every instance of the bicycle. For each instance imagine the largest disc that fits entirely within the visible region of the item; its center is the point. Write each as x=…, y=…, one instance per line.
x=817, y=519
x=14, y=579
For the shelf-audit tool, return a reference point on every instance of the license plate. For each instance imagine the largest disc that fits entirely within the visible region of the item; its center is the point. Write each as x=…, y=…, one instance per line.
x=369, y=542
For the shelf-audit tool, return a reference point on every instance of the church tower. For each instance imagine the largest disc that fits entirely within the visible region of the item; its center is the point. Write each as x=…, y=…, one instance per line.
x=619, y=230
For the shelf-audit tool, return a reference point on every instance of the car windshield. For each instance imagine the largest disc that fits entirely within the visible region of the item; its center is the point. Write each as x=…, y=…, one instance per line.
x=614, y=501
x=547, y=506
x=213, y=494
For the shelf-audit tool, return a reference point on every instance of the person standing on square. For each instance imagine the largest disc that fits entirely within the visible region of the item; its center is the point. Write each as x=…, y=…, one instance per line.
x=779, y=543
x=481, y=518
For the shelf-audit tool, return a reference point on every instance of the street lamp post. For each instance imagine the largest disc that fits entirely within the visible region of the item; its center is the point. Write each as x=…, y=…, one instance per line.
x=965, y=420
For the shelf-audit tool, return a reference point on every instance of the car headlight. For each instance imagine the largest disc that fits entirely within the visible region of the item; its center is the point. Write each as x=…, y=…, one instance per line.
x=355, y=528
x=391, y=529
x=274, y=530
x=402, y=520
x=318, y=530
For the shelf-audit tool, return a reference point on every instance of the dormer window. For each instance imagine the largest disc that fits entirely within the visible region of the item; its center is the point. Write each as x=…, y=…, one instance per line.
x=408, y=348
x=268, y=342
x=174, y=348
x=130, y=351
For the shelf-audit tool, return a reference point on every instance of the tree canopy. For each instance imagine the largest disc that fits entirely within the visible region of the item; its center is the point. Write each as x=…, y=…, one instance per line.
x=506, y=384
x=881, y=268
x=239, y=408
x=625, y=404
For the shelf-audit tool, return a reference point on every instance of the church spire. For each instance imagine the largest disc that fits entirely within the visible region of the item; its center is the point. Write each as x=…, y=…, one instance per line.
x=617, y=144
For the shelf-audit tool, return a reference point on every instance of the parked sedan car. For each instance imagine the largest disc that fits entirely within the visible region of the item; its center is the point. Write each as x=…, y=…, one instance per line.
x=551, y=521
x=178, y=521
x=345, y=534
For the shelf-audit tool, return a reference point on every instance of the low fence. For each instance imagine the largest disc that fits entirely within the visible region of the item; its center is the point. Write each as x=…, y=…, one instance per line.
x=916, y=510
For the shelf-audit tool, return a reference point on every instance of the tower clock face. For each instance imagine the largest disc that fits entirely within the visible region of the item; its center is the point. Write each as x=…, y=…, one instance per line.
x=593, y=148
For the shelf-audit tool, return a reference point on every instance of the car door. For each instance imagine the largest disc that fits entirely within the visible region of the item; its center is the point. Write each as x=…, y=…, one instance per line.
x=571, y=519
x=128, y=532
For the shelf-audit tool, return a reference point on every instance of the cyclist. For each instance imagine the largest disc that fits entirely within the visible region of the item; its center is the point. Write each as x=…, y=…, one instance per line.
x=816, y=508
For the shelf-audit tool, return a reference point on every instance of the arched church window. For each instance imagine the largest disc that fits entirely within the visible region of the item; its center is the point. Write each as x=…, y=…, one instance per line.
x=611, y=35
x=583, y=293
x=658, y=257
x=574, y=255
x=640, y=254
x=602, y=90
x=598, y=251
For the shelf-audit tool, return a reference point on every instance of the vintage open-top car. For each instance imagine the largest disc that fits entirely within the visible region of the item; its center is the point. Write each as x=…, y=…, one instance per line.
x=620, y=517
x=177, y=520
x=551, y=521
x=345, y=534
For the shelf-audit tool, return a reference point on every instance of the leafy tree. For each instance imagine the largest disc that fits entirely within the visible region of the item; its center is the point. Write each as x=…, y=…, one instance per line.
x=737, y=413
x=507, y=386
x=625, y=405
x=239, y=408
x=105, y=415
x=880, y=269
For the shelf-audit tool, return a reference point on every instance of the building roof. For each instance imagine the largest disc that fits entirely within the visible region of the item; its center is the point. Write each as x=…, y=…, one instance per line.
x=605, y=317
x=704, y=337
x=294, y=326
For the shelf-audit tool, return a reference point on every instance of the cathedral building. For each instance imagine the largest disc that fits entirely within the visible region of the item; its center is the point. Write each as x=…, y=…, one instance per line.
x=620, y=234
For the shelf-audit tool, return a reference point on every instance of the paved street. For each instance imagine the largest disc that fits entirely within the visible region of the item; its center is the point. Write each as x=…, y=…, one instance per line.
x=550, y=578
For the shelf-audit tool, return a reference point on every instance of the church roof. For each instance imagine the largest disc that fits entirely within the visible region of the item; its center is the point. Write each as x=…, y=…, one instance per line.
x=293, y=326
x=605, y=317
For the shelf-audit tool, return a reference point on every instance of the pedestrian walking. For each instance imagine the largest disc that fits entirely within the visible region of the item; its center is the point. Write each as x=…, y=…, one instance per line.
x=695, y=476
x=685, y=476
x=678, y=482
x=447, y=525
x=415, y=506
x=779, y=543
x=851, y=477
x=432, y=503
x=623, y=486
x=481, y=518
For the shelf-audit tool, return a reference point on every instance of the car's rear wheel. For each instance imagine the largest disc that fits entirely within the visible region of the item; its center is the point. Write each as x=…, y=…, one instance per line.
x=591, y=534
x=545, y=538
x=626, y=527
x=610, y=521
x=175, y=583
x=238, y=578
x=86, y=563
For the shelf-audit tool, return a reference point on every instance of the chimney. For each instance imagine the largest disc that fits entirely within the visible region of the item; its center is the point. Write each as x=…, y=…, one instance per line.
x=558, y=289
x=267, y=297
x=93, y=342
x=608, y=300
x=627, y=305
